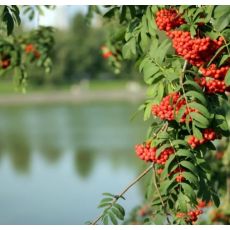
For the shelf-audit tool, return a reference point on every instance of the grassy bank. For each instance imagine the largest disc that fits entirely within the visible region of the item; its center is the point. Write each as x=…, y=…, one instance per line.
x=7, y=87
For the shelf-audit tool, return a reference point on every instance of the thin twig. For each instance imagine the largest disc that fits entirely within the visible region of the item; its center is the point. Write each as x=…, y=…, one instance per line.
x=182, y=86
x=218, y=51
x=183, y=72
x=159, y=194
x=116, y=198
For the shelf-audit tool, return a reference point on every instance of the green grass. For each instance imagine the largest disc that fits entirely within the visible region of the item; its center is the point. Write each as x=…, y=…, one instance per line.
x=8, y=87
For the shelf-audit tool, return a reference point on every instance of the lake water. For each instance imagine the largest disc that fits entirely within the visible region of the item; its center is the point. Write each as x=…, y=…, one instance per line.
x=57, y=160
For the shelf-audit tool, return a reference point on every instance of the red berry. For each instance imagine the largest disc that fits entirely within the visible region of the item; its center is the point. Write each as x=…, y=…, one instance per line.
x=208, y=135
x=29, y=48
x=196, y=51
x=169, y=107
x=167, y=19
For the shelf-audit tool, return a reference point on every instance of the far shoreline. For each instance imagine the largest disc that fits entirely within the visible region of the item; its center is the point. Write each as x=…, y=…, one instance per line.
x=80, y=96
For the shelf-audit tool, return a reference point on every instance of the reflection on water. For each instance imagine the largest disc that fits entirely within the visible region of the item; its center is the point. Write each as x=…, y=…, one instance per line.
x=55, y=161
x=83, y=162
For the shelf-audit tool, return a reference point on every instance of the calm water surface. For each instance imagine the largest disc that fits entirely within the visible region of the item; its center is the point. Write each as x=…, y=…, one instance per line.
x=56, y=160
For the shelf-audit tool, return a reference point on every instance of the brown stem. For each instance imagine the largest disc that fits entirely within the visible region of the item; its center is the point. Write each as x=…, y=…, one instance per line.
x=116, y=198
x=183, y=72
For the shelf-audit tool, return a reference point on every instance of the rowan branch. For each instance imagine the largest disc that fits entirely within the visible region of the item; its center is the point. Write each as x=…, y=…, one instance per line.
x=117, y=197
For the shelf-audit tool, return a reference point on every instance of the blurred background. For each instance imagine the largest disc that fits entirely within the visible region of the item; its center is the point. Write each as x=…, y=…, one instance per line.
x=70, y=137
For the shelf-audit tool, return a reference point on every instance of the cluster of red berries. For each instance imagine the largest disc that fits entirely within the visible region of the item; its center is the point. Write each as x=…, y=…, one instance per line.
x=220, y=216
x=144, y=211
x=179, y=177
x=202, y=204
x=196, y=51
x=214, y=72
x=191, y=216
x=179, y=170
x=219, y=155
x=168, y=19
x=5, y=63
x=30, y=48
x=147, y=153
x=208, y=135
x=216, y=85
x=106, y=53
x=212, y=85
x=170, y=106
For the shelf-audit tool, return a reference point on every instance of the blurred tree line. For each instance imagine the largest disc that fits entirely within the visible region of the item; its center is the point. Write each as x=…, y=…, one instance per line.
x=77, y=56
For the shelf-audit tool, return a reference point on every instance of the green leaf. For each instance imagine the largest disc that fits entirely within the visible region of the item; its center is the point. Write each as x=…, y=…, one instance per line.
x=163, y=135
x=105, y=220
x=221, y=10
x=132, y=10
x=178, y=142
x=162, y=148
x=16, y=14
x=9, y=22
x=181, y=112
x=120, y=208
x=191, y=178
x=210, y=146
x=156, y=201
x=181, y=203
x=184, y=153
x=222, y=22
x=129, y=49
x=189, y=191
x=153, y=48
x=189, y=165
x=187, y=123
x=169, y=161
x=164, y=186
x=198, y=96
x=117, y=213
x=202, y=109
x=193, y=30
x=197, y=133
x=162, y=51
x=123, y=14
x=160, y=91
x=220, y=122
x=227, y=78
x=200, y=118
x=101, y=205
x=149, y=192
x=105, y=200
x=193, y=84
x=215, y=199
x=113, y=218
x=159, y=219
x=110, y=13
x=107, y=194
x=224, y=58
x=147, y=111
x=204, y=165
x=171, y=74
x=149, y=70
